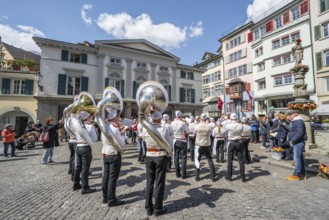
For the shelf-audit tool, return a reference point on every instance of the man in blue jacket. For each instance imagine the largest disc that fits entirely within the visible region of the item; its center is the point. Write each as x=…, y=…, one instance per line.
x=297, y=138
x=254, y=129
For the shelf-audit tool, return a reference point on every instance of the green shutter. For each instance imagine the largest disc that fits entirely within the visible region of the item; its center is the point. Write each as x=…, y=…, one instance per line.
x=29, y=87
x=65, y=55
x=319, y=64
x=169, y=92
x=122, y=87
x=84, y=58
x=107, y=82
x=192, y=76
x=61, y=89
x=5, y=86
x=193, y=95
x=84, y=84
x=181, y=95
x=317, y=32
x=134, y=89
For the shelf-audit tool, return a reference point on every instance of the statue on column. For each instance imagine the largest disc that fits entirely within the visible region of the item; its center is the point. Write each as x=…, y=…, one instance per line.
x=298, y=52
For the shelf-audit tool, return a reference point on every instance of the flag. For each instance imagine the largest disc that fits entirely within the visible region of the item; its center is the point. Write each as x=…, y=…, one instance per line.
x=219, y=103
x=250, y=97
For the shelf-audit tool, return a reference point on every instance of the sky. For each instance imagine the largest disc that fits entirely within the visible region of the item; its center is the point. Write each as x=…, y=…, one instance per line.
x=185, y=28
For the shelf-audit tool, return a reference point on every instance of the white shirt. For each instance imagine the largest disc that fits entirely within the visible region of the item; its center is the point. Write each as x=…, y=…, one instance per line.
x=191, y=127
x=180, y=128
x=92, y=133
x=168, y=134
x=233, y=130
x=108, y=149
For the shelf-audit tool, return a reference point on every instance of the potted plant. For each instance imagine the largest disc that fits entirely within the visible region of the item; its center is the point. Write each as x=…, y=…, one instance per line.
x=31, y=65
x=15, y=64
x=277, y=152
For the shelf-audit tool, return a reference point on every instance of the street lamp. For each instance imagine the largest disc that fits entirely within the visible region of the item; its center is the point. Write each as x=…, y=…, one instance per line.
x=38, y=78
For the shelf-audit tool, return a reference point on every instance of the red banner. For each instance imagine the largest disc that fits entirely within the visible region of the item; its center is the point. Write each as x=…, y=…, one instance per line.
x=219, y=104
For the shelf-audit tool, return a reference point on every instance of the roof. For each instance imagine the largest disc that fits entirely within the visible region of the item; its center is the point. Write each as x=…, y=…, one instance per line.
x=21, y=54
x=210, y=55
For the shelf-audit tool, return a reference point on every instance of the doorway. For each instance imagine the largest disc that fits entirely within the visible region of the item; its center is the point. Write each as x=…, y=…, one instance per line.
x=20, y=125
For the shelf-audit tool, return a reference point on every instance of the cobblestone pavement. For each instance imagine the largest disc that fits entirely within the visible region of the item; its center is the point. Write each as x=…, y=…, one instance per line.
x=31, y=191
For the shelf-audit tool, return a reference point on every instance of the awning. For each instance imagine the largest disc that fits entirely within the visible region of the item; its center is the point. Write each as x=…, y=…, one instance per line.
x=210, y=99
x=321, y=110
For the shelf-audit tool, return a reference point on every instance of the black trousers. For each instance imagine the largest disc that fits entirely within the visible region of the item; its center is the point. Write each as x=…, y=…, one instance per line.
x=155, y=181
x=220, y=150
x=72, y=147
x=83, y=158
x=192, y=146
x=205, y=150
x=180, y=148
x=235, y=146
x=255, y=136
x=246, y=154
x=133, y=138
x=111, y=171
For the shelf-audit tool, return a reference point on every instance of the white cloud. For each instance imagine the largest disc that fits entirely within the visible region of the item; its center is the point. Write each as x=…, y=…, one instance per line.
x=31, y=30
x=84, y=16
x=21, y=38
x=262, y=8
x=196, y=30
x=165, y=34
x=3, y=17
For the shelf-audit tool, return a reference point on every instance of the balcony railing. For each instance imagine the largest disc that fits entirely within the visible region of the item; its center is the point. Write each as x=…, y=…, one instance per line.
x=236, y=95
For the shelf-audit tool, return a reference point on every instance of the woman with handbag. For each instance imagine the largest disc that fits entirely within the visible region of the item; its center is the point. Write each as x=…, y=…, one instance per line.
x=50, y=130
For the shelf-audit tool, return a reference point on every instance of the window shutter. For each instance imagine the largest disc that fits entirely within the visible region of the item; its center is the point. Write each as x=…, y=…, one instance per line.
x=244, y=52
x=319, y=60
x=181, y=95
x=5, y=86
x=304, y=7
x=84, y=58
x=227, y=90
x=107, y=82
x=243, y=38
x=249, y=106
x=169, y=92
x=317, y=32
x=65, y=55
x=61, y=89
x=269, y=26
x=250, y=37
x=286, y=17
x=193, y=95
x=122, y=87
x=134, y=89
x=249, y=68
x=29, y=87
x=84, y=84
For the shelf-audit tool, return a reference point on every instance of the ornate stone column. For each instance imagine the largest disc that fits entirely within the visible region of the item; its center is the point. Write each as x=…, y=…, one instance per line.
x=100, y=73
x=153, y=65
x=173, y=86
x=129, y=80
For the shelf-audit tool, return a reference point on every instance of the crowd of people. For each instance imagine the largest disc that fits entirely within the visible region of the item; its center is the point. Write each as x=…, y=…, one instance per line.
x=188, y=137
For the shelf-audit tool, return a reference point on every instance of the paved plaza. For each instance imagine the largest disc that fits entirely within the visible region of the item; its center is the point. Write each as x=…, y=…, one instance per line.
x=31, y=191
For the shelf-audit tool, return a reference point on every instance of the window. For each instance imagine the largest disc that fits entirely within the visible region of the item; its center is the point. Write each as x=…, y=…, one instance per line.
x=294, y=36
x=286, y=59
x=326, y=84
x=295, y=13
x=285, y=40
x=281, y=103
x=141, y=65
x=304, y=7
x=232, y=107
x=182, y=74
x=116, y=60
x=325, y=31
x=269, y=26
x=190, y=75
x=163, y=68
x=277, y=61
x=235, y=56
x=186, y=75
x=262, y=31
x=235, y=88
x=235, y=42
x=282, y=80
x=326, y=58
x=187, y=95
x=205, y=92
x=278, y=22
x=256, y=33
x=262, y=85
x=261, y=67
x=232, y=72
x=242, y=70
x=115, y=81
x=245, y=105
x=75, y=58
x=286, y=17
x=219, y=90
x=19, y=87
x=73, y=85
x=275, y=44
x=324, y=5
x=259, y=52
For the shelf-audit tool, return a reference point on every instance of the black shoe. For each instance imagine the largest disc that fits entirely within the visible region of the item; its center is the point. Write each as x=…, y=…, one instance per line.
x=149, y=212
x=197, y=178
x=178, y=175
x=116, y=203
x=243, y=179
x=217, y=160
x=213, y=179
x=228, y=179
x=105, y=201
x=14, y=155
x=88, y=191
x=77, y=187
x=161, y=212
x=184, y=177
x=223, y=161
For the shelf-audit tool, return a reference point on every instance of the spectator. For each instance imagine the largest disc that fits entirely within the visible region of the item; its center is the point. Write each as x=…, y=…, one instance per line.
x=264, y=124
x=254, y=129
x=134, y=131
x=8, y=138
x=282, y=136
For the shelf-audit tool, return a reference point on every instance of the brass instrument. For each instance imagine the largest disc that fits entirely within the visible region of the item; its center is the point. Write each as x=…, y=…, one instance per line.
x=85, y=103
x=111, y=102
x=151, y=95
x=67, y=121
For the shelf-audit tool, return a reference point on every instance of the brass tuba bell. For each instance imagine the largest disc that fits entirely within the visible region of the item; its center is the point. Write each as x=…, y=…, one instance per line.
x=85, y=103
x=111, y=102
x=152, y=95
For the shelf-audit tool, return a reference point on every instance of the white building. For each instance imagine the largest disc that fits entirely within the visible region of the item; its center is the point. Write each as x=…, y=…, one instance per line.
x=272, y=39
x=68, y=69
x=320, y=40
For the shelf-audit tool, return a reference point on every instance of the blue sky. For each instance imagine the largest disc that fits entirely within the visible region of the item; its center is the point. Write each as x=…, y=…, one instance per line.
x=185, y=28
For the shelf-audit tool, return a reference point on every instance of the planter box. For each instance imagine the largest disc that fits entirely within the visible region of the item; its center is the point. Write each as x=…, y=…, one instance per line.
x=276, y=155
